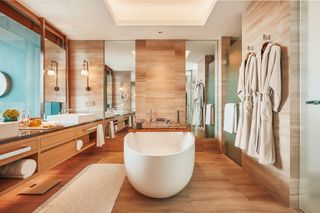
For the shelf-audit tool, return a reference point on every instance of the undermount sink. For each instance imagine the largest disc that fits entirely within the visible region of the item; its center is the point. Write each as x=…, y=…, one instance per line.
x=73, y=118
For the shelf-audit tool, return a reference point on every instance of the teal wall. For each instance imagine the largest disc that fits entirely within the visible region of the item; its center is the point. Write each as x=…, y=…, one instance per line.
x=20, y=59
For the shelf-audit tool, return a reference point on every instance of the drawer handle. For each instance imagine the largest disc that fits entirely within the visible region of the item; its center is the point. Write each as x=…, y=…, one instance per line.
x=92, y=129
x=15, y=152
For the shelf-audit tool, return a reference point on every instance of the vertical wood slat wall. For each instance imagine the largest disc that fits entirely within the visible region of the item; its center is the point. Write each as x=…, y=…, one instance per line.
x=278, y=19
x=160, y=79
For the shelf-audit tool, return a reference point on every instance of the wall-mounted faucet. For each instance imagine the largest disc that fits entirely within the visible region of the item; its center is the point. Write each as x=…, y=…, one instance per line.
x=65, y=111
x=150, y=116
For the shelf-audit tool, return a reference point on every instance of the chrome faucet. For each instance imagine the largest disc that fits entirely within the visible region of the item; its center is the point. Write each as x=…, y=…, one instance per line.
x=65, y=111
x=150, y=116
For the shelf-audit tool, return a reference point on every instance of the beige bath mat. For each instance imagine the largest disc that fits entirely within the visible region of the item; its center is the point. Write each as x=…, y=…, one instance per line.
x=94, y=189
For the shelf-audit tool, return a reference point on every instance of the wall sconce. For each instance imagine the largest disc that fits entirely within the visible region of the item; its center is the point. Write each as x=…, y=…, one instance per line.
x=124, y=95
x=85, y=72
x=53, y=71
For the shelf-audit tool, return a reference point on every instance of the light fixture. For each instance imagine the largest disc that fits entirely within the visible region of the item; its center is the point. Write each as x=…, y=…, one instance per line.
x=85, y=72
x=53, y=71
x=124, y=95
x=187, y=53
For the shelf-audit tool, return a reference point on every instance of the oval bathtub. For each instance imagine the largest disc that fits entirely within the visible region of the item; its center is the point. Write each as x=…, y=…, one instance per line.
x=159, y=164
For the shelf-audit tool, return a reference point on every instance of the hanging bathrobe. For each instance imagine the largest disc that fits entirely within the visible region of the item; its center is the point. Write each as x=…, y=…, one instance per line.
x=197, y=117
x=247, y=70
x=268, y=100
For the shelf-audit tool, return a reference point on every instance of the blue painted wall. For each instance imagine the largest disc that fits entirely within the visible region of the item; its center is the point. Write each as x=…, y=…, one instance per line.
x=20, y=59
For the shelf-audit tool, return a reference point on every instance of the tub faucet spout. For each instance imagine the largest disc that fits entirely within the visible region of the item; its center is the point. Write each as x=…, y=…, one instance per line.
x=150, y=116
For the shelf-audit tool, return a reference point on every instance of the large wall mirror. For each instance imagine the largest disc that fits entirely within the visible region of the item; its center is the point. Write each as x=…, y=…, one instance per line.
x=20, y=51
x=55, y=84
x=119, y=93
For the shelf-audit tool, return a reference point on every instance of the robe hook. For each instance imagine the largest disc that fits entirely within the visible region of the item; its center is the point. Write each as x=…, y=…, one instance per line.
x=266, y=37
x=250, y=48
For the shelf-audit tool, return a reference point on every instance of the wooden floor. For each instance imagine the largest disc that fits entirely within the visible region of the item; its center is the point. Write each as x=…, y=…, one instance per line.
x=217, y=185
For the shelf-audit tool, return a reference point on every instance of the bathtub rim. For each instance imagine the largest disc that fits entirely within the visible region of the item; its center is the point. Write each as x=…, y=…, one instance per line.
x=192, y=145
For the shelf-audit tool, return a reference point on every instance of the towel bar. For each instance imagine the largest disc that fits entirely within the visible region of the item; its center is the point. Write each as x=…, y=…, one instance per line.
x=92, y=129
x=15, y=152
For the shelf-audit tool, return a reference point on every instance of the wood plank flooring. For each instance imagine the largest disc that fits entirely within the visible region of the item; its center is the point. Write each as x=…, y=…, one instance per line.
x=218, y=185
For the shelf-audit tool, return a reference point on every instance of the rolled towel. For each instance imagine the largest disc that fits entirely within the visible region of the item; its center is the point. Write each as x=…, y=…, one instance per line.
x=22, y=169
x=79, y=144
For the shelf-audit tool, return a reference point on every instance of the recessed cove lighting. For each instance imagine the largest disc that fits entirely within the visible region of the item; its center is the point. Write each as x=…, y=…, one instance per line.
x=150, y=13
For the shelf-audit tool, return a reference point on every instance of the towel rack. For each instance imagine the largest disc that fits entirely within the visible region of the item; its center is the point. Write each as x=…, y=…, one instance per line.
x=15, y=152
x=92, y=129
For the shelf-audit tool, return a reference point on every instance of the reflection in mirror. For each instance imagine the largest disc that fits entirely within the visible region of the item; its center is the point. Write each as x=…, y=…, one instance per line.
x=55, y=78
x=119, y=78
x=200, y=71
x=19, y=62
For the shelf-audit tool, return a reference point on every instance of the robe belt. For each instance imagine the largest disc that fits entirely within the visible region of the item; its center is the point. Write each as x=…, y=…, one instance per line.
x=261, y=95
x=248, y=98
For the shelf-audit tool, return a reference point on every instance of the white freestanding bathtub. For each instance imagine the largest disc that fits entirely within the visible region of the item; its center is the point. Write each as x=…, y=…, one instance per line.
x=159, y=164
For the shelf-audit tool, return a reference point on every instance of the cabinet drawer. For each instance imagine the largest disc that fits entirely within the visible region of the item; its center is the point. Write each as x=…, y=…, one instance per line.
x=18, y=151
x=55, y=139
x=57, y=154
x=86, y=129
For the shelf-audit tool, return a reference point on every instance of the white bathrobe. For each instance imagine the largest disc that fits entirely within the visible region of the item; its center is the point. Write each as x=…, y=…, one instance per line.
x=268, y=99
x=247, y=71
x=197, y=117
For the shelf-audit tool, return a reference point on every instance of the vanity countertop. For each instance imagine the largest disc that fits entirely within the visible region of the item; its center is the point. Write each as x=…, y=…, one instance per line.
x=24, y=134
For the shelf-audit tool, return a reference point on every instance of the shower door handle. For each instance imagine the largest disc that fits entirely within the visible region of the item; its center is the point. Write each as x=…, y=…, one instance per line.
x=313, y=102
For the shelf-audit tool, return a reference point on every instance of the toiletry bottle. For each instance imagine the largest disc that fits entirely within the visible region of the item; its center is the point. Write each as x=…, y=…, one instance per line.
x=23, y=119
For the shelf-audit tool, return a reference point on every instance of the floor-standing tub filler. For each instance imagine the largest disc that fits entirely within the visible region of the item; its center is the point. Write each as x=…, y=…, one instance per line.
x=159, y=164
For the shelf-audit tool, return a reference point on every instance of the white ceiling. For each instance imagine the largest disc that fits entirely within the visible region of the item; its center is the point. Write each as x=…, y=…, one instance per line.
x=160, y=12
x=119, y=57
x=91, y=20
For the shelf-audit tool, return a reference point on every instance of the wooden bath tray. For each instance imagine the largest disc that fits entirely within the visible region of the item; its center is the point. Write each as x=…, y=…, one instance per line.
x=174, y=129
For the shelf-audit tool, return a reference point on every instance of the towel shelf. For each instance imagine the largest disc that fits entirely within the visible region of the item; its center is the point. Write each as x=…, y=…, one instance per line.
x=15, y=152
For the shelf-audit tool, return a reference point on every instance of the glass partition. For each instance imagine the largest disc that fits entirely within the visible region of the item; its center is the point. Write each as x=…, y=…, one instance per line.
x=234, y=57
x=309, y=192
x=201, y=65
x=119, y=81
x=20, y=64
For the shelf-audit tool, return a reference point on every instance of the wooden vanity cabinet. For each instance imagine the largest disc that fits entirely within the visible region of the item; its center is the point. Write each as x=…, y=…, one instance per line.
x=48, y=150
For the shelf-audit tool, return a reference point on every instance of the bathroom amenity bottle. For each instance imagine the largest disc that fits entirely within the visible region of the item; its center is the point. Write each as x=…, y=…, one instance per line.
x=23, y=119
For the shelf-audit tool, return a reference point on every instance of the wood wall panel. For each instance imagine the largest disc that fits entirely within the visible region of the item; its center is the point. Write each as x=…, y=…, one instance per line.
x=277, y=19
x=160, y=79
x=93, y=52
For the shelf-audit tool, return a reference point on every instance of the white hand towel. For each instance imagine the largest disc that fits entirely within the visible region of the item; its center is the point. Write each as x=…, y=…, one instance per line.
x=22, y=169
x=209, y=114
x=111, y=129
x=100, y=135
x=230, y=118
x=79, y=145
